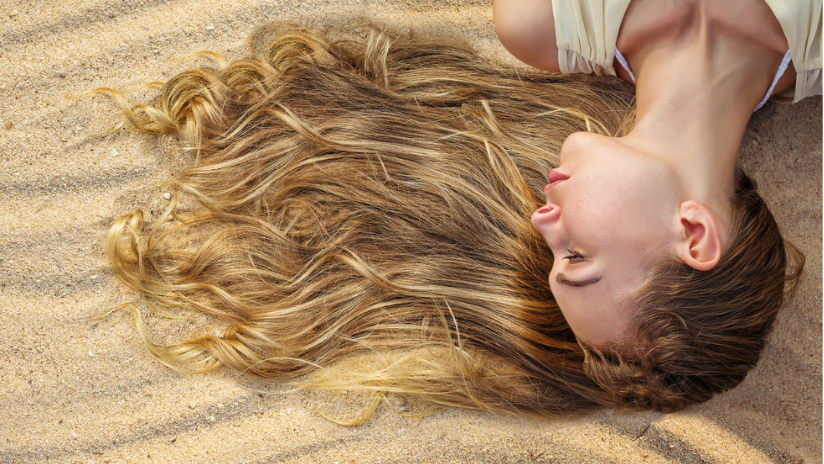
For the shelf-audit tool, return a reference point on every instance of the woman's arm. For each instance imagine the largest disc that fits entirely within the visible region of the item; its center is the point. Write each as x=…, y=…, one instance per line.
x=526, y=28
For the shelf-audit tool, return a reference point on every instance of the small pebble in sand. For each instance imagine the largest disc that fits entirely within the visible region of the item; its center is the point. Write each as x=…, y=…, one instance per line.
x=9, y=125
x=114, y=152
x=191, y=404
x=167, y=196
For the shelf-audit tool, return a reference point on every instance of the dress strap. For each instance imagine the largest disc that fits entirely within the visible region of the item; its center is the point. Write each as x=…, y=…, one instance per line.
x=623, y=61
x=781, y=69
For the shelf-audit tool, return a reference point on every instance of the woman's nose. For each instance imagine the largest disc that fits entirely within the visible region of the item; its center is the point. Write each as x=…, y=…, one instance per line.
x=546, y=215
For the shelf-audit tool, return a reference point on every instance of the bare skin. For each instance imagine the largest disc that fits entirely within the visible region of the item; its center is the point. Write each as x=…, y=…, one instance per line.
x=731, y=51
x=701, y=67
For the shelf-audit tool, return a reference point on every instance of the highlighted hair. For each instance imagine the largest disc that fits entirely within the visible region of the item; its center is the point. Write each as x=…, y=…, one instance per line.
x=369, y=200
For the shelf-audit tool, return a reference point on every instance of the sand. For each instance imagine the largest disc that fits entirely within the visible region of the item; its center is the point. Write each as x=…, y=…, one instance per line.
x=77, y=389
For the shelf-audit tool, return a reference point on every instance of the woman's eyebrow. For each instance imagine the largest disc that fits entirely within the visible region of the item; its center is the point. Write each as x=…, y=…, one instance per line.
x=561, y=279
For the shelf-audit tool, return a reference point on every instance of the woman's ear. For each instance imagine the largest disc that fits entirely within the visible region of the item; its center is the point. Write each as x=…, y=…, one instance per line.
x=700, y=245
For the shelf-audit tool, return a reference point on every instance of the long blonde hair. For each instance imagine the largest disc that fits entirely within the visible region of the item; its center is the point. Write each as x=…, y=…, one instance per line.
x=369, y=198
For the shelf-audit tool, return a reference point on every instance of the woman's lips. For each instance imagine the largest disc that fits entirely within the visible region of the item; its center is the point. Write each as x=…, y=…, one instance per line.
x=555, y=178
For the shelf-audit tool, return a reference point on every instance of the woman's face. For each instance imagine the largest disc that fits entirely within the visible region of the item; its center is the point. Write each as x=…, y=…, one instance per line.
x=608, y=209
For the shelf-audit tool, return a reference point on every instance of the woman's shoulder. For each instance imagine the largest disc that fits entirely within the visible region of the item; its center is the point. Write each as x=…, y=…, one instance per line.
x=561, y=35
x=581, y=36
x=800, y=22
x=587, y=33
x=526, y=28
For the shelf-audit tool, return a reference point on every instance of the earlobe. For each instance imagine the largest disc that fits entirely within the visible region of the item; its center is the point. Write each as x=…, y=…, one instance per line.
x=700, y=245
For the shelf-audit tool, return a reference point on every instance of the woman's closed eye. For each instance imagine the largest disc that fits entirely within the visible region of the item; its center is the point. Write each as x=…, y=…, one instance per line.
x=575, y=256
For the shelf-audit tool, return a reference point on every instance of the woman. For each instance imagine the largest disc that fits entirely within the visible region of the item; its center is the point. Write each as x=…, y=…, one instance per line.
x=369, y=200
x=701, y=68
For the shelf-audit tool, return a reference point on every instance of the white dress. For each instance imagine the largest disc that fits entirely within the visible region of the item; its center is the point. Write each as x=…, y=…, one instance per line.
x=586, y=32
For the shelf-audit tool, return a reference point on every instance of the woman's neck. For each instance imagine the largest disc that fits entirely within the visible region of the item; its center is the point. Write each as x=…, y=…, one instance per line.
x=697, y=86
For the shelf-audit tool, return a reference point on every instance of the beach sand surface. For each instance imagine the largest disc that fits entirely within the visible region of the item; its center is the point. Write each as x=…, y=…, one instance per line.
x=74, y=388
